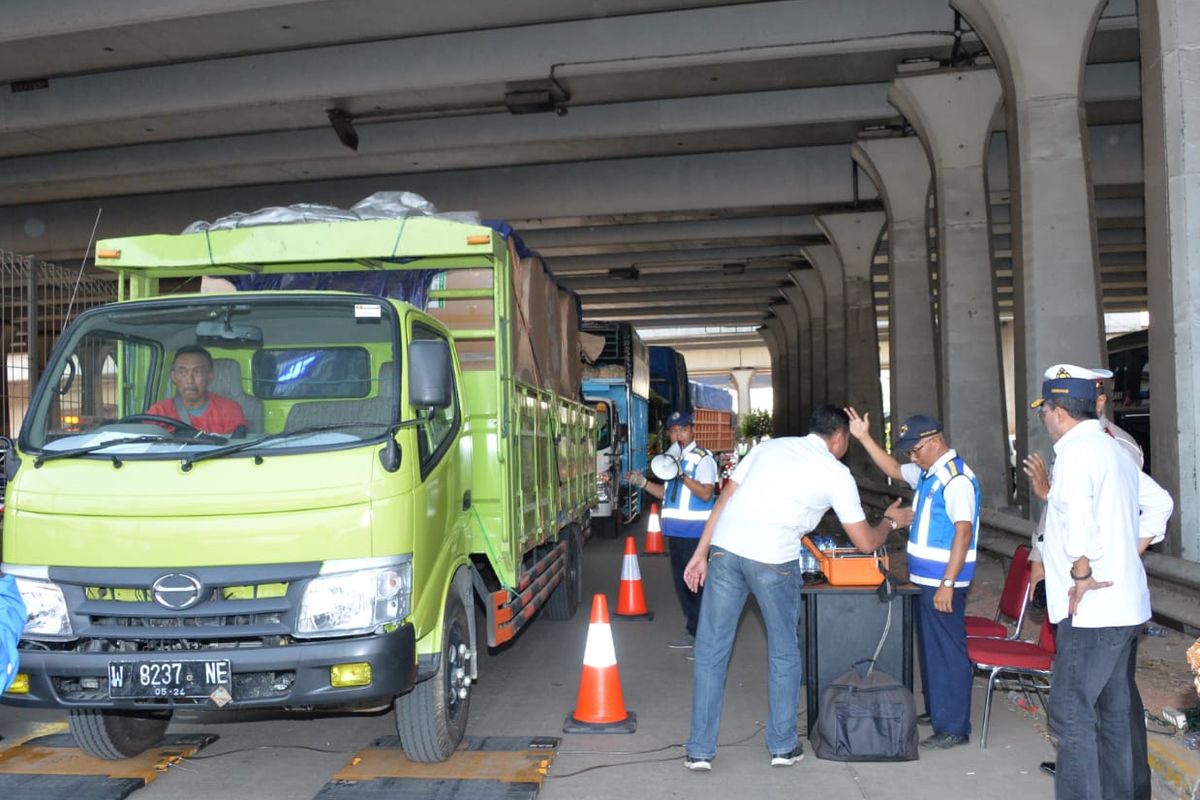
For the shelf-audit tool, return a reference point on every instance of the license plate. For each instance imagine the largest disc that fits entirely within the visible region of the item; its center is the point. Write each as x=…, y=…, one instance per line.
x=141, y=679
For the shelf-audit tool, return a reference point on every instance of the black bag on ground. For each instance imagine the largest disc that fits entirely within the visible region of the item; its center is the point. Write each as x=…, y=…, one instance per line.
x=866, y=717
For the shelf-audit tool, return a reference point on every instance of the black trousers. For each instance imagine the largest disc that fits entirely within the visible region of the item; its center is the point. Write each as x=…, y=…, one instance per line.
x=681, y=551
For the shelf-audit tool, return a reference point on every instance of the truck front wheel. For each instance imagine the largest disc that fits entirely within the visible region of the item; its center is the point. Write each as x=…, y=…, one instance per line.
x=432, y=718
x=112, y=735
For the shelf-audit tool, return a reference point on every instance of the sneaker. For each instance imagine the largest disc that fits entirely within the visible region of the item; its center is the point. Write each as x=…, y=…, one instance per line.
x=698, y=764
x=943, y=741
x=788, y=759
x=685, y=642
x=925, y=720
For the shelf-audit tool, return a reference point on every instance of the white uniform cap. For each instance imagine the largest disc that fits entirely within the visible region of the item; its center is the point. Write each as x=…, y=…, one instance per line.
x=1072, y=371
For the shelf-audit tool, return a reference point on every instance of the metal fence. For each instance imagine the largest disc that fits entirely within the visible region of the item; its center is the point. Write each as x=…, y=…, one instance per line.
x=37, y=300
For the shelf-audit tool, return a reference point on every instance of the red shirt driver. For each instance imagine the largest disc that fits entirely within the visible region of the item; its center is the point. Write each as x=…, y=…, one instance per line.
x=191, y=372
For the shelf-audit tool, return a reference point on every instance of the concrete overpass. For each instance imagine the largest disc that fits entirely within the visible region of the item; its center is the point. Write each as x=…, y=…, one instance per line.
x=968, y=185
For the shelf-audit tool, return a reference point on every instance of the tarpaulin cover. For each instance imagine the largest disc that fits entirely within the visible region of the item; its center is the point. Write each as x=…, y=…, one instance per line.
x=714, y=397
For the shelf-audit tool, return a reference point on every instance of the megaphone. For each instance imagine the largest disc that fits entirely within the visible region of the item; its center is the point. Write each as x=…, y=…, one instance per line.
x=664, y=467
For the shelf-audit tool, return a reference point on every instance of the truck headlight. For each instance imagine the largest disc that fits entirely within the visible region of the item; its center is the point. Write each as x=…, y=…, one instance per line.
x=348, y=599
x=602, y=491
x=46, y=608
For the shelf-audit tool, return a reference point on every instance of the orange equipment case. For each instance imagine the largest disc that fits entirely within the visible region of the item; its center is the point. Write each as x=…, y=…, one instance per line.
x=845, y=566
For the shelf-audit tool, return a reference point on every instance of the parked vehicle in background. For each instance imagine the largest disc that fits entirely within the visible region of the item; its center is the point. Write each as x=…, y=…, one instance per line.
x=410, y=446
x=668, y=390
x=712, y=413
x=1129, y=360
x=619, y=377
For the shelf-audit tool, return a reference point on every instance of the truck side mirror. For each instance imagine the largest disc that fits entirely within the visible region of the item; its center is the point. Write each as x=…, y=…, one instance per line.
x=622, y=432
x=8, y=451
x=430, y=374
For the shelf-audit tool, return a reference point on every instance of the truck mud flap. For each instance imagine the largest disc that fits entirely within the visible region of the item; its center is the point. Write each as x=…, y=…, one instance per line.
x=508, y=612
x=53, y=768
x=482, y=768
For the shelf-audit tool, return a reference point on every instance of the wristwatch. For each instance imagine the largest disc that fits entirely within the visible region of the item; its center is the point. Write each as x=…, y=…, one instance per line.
x=947, y=583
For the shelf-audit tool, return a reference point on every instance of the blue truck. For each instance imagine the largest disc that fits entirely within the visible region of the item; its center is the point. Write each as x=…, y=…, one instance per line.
x=616, y=383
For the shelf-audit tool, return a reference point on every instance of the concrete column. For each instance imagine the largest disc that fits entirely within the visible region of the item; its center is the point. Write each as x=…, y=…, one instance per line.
x=1040, y=49
x=899, y=168
x=952, y=112
x=814, y=293
x=741, y=377
x=828, y=266
x=856, y=237
x=772, y=333
x=1170, y=45
x=799, y=304
x=791, y=333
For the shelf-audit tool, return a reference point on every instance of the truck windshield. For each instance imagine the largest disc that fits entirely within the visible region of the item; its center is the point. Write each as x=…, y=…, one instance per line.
x=175, y=378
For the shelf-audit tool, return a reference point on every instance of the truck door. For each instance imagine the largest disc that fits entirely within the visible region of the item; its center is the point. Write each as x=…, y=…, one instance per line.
x=438, y=501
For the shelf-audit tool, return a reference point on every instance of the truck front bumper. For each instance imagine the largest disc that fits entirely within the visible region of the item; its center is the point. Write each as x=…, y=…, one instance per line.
x=297, y=674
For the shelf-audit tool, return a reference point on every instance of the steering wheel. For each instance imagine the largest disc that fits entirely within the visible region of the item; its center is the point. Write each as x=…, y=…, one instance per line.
x=157, y=419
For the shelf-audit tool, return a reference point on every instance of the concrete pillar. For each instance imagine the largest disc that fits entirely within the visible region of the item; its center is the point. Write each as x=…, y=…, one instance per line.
x=814, y=293
x=741, y=377
x=828, y=266
x=804, y=398
x=772, y=333
x=1040, y=49
x=791, y=342
x=899, y=168
x=952, y=112
x=1170, y=46
x=856, y=237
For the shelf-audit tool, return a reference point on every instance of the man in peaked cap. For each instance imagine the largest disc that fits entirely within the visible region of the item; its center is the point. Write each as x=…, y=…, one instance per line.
x=1155, y=506
x=688, y=499
x=941, y=560
x=1096, y=594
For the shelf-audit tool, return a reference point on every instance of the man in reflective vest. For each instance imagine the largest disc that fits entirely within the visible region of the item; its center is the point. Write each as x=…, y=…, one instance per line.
x=688, y=499
x=941, y=560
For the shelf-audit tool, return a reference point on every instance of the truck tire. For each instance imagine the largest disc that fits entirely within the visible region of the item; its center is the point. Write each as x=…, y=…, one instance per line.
x=113, y=735
x=567, y=596
x=432, y=718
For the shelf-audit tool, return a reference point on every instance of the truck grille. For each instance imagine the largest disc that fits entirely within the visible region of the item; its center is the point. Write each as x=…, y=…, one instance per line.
x=230, y=605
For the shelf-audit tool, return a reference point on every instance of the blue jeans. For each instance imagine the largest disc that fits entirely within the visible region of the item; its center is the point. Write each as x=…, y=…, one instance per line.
x=946, y=672
x=776, y=588
x=1092, y=712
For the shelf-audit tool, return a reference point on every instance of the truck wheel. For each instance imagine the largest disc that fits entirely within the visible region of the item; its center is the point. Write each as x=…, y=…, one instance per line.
x=569, y=592
x=112, y=735
x=432, y=718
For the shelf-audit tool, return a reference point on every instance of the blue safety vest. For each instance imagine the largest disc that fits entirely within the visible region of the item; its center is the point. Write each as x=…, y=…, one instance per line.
x=12, y=623
x=931, y=536
x=683, y=513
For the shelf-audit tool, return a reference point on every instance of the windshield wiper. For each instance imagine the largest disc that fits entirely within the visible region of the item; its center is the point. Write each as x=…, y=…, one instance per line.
x=83, y=451
x=221, y=452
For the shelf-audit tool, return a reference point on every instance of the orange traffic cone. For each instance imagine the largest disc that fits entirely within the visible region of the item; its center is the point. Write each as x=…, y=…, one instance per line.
x=600, y=707
x=631, y=601
x=654, y=537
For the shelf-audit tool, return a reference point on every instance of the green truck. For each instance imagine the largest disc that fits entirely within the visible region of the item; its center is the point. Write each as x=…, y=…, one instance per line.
x=393, y=463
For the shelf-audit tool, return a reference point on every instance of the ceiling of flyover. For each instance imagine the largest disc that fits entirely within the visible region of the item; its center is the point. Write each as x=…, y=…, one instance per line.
x=676, y=185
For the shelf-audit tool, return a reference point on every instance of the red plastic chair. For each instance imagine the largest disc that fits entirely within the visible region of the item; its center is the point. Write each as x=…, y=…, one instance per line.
x=1005, y=656
x=1014, y=599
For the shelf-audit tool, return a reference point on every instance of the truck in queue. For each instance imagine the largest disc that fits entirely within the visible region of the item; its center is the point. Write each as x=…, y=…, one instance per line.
x=616, y=382
x=393, y=462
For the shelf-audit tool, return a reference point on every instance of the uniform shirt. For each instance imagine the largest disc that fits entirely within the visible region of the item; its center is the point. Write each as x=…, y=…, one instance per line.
x=219, y=414
x=684, y=514
x=958, y=494
x=784, y=487
x=1093, y=511
x=1127, y=442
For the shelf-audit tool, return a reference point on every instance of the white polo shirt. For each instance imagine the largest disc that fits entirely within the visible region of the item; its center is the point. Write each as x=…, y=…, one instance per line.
x=1093, y=511
x=784, y=487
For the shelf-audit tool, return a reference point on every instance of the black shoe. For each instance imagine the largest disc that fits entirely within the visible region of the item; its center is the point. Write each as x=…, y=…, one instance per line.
x=943, y=741
x=1047, y=767
x=925, y=719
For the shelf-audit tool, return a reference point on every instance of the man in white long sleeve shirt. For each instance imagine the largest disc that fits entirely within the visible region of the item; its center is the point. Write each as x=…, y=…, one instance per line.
x=1095, y=592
